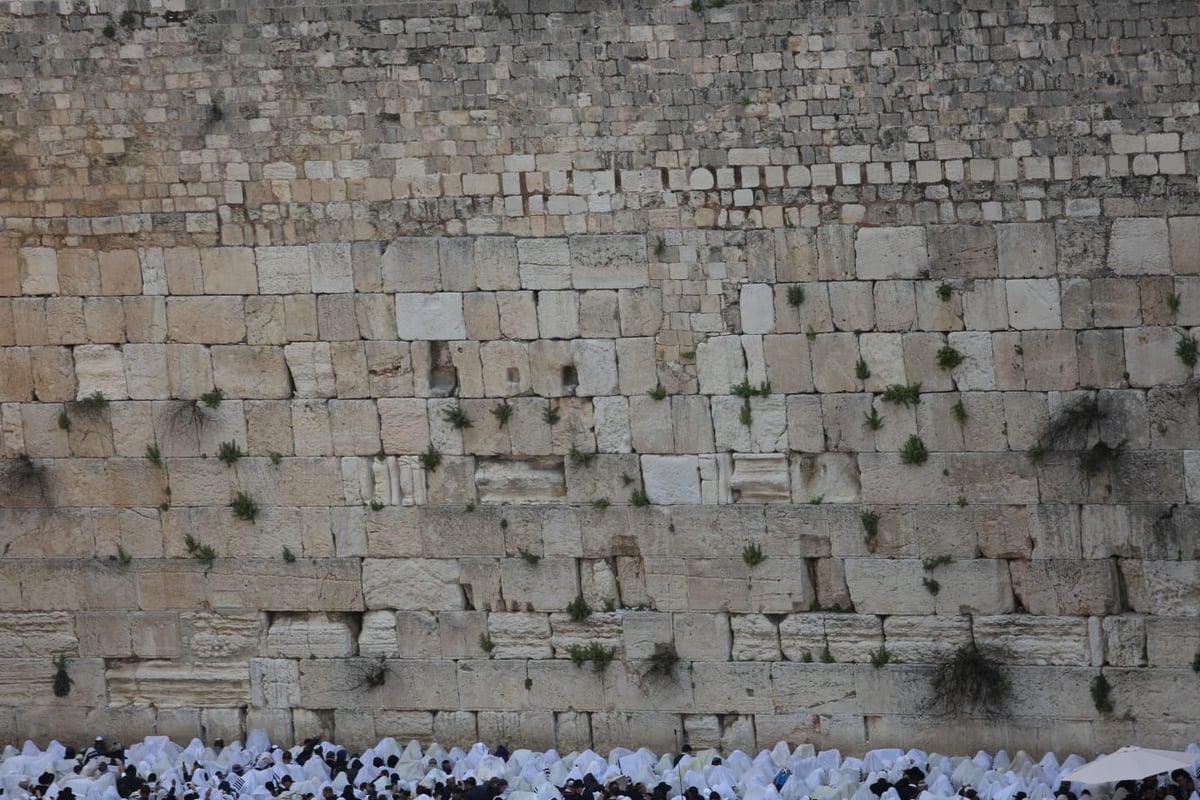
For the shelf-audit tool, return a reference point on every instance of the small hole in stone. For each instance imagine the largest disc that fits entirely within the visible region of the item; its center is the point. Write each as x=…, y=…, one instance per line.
x=570, y=379
x=513, y=375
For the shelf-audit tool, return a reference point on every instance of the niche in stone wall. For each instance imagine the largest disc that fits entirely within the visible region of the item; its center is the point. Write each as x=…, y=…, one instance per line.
x=443, y=377
x=570, y=379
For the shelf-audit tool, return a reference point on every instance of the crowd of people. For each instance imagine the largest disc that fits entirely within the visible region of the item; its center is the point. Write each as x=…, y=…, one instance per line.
x=158, y=769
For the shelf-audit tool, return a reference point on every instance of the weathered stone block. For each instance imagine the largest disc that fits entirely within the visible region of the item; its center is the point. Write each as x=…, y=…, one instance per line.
x=436, y=315
x=882, y=253
x=671, y=479
x=1139, y=246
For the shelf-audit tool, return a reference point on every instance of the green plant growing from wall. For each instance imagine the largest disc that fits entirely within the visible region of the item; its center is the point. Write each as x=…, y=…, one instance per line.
x=213, y=399
x=551, y=416
x=503, y=412
x=244, y=507
x=598, y=654
x=486, y=644
x=1188, y=349
x=827, y=656
x=972, y=679
x=658, y=392
x=431, y=459
x=457, y=418
x=600, y=503
x=96, y=401
x=872, y=419
x=870, y=523
x=203, y=553
x=795, y=296
x=581, y=458
x=662, y=663
x=960, y=413
x=914, y=451
x=902, y=394
x=123, y=557
x=153, y=455
x=944, y=292
x=62, y=680
x=64, y=421
x=861, y=370
x=948, y=357
x=578, y=609
x=276, y=458
x=639, y=499
x=1102, y=694
x=752, y=554
x=931, y=583
x=660, y=248
x=377, y=505
x=288, y=556
x=1174, y=301
x=229, y=453
x=880, y=657
x=531, y=559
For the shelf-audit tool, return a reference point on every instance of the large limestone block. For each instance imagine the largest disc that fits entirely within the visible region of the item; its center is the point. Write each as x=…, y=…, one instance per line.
x=832, y=477
x=547, y=264
x=609, y=262
x=1039, y=641
x=411, y=264
x=536, y=729
x=825, y=689
x=599, y=479
x=518, y=315
x=974, y=586
x=962, y=251
x=702, y=636
x=37, y=634
x=431, y=584
x=23, y=682
x=755, y=638
x=404, y=424
x=550, y=585
x=208, y=635
x=596, y=367
x=406, y=684
x=283, y=270
x=924, y=639
x=641, y=311
x=767, y=431
x=228, y=270
x=558, y=315
x=1033, y=303
x=885, y=479
x=496, y=263
x=1163, y=588
x=720, y=364
x=1150, y=357
x=719, y=687
x=757, y=307
x=610, y=728
x=645, y=633
x=206, y=320
x=1139, y=246
x=834, y=358
x=487, y=684
x=1026, y=250
x=100, y=368
x=519, y=635
x=888, y=587
x=432, y=315
x=257, y=372
x=788, y=363
x=882, y=253
x=39, y=270
x=671, y=480
x=1066, y=587
x=274, y=683
x=169, y=684
x=311, y=368
x=310, y=636
x=520, y=480
x=331, y=267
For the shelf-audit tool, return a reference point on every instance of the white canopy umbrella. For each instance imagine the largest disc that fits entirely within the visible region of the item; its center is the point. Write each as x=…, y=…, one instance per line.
x=1130, y=762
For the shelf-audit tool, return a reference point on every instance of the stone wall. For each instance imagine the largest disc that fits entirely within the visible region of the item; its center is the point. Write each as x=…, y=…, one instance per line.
x=666, y=260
